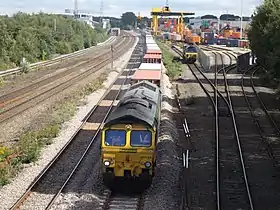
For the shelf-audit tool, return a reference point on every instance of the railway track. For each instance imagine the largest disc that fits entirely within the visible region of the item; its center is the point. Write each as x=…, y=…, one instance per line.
x=114, y=200
x=61, y=58
x=232, y=57
x=20, y=100
x=239, y=154
x=233, y=190
x=57, y=176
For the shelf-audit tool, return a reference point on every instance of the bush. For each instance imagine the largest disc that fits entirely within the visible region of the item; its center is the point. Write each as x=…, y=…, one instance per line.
x=264, y=36
x=173, y=66
x=36, y=37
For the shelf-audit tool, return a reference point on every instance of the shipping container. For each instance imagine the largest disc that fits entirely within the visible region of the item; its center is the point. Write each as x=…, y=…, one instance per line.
x=115, y=31
x=177, y=37
x=195, y=39
x=222, y=41
x=165, y=36
x=232, y=43
x=150, y=66
x=243, y=43
x=207, y=34
x=227, y=33
x=235, y=35
x=187, y=32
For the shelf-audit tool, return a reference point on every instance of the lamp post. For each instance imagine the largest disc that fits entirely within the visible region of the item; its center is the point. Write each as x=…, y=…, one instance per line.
x=241, y=20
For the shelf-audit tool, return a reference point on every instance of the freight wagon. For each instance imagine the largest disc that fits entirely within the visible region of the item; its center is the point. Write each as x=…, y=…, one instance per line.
x=115, y=31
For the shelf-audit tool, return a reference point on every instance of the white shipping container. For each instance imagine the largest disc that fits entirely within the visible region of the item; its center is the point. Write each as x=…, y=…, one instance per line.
x=150, y=42
x=150, y=66
x=178, y=37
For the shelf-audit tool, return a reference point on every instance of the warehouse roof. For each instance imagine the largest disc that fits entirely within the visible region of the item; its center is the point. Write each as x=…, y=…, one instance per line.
x=150, y=66
x=156, y=56
x=146, y=75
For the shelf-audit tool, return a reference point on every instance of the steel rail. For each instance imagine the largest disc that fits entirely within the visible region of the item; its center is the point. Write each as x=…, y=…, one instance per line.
x=64, y=86
x=257, y=123
x=19, y=93
x=89, y=145
x=272, y=121
x=25, y=196
x=57, y=59
x=231, y=108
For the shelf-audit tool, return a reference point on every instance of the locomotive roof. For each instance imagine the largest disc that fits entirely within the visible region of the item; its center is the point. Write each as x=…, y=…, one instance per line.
x=139, y=103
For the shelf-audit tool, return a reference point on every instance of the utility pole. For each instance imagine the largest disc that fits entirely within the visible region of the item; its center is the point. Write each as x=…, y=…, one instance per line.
x=75, y=8
x=241, y=20
x=112, y=61
x=101, y=10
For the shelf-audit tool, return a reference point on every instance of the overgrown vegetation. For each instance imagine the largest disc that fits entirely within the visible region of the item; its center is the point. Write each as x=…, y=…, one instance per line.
x=41, y=36
x=264, y=36
x=30, y=144
x=173, y=66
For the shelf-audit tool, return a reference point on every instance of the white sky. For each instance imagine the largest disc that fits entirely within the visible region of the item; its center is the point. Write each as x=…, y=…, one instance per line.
x=117, y=7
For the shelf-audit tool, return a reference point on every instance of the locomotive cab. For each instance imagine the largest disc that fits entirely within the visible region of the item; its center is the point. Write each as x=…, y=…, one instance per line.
x=128, y=152
x=189, y=53
x=129, y=135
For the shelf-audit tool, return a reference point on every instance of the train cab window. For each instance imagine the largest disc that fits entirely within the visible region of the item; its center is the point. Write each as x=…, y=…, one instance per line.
x=115, y=137
x=140, y=138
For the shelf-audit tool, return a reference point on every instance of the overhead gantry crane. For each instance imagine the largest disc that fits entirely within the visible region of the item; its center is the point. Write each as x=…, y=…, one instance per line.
x=165, y=11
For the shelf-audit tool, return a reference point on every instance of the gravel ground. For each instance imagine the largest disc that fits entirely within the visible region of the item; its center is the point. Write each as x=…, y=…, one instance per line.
x=165, y=191
x=11, y=192
x=199, y=115
x=86, y=189
x=18, y=81
x=18, y=124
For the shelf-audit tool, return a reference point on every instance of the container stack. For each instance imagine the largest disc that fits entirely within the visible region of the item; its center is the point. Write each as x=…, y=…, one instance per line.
x=208, y=37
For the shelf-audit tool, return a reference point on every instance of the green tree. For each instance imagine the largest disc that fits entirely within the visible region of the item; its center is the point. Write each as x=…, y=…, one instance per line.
x=41, y=36
x=128, y=19
x=264, y=36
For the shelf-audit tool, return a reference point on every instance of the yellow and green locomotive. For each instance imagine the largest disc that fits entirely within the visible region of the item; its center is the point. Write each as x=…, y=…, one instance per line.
x=129, y=135
x=189, y=53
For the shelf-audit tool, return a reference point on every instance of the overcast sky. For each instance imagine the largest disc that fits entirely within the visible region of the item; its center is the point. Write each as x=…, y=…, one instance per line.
x=117, y=7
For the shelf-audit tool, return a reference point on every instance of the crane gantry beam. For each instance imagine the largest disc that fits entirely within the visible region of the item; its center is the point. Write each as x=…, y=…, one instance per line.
x=165, y=11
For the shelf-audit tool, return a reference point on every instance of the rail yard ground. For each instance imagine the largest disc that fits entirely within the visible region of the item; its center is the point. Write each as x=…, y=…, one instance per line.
x=86, y=190
x=256, y=143
x=63, y=111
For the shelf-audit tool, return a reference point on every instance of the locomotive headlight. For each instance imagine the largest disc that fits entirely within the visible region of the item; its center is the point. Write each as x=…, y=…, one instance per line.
x=148, y=164
x=106, y=163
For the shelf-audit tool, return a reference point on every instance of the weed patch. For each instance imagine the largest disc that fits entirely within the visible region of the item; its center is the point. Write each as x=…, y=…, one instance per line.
x=173, y=65
x=30, y=144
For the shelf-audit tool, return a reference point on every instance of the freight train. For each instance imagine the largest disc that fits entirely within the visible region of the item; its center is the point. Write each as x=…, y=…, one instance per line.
x=189, y=54
x=129, y=135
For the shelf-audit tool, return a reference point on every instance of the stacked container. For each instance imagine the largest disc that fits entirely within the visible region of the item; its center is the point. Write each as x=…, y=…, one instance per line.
x=227, y=33
x=243, y=43
x=195, y=39
x=235, y=35
x=165, y=36
x=232, y=43
x=222, y=41
x=208, y=37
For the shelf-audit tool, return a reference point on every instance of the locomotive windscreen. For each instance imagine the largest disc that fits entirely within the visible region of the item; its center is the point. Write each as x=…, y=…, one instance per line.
x=190, y=49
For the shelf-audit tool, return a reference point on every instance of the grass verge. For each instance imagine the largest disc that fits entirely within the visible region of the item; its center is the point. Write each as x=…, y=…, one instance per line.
x=173, y=66
x=31, y=143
